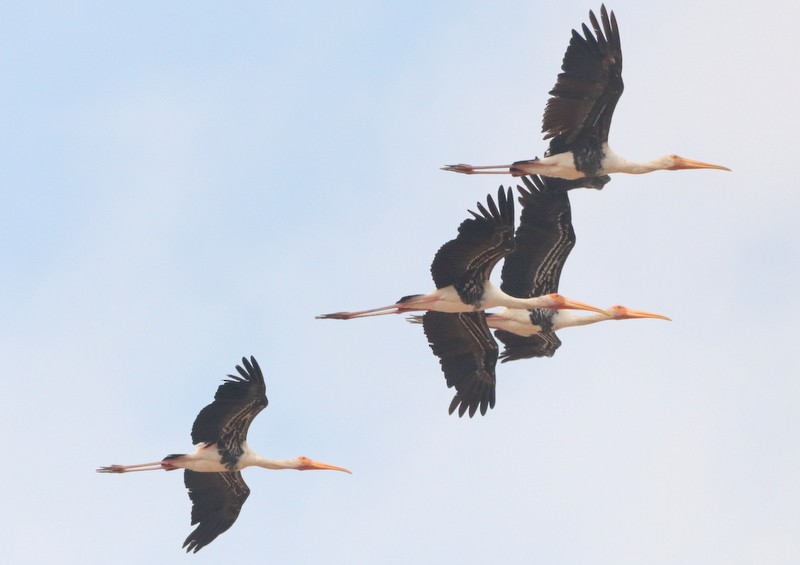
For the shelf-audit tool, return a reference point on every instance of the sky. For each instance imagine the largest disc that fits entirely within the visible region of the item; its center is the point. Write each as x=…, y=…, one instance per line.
x=187, y=183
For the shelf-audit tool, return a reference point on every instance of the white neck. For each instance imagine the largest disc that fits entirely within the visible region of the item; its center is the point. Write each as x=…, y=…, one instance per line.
x=255, y=460
x=495, y=297
x=613, y=163
x=533, y=302
x=569, y=319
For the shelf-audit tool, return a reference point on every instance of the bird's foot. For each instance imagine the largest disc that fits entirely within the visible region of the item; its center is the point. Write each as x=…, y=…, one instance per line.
x=460, y=168
x=334, y=316
x=112, y=469
x=478, y=170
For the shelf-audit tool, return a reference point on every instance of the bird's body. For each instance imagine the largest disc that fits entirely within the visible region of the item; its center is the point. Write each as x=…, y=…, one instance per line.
x=577, y=117
x=462, y=267
x=212, y=471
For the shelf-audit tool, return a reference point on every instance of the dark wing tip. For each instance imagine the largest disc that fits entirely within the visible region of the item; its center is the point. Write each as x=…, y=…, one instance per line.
x=500, y=213
x=506, y=199
x=467, y=354
x=192, y=545
x=236, y=391
x=249, y=381
x=534, y=184
x=217, y=499
x=589, y=86
x=472, y=406
x=251, y=371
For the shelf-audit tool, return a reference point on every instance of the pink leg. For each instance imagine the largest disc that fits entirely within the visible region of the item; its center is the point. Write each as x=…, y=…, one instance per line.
x=473, y=170
x=360, y=314
x=412, y=304
x=155, y=466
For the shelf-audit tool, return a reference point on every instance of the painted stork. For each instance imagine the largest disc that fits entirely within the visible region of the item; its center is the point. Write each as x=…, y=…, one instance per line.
x=463, y=342
x=545, y=237
x=213, y=472
x=578, y=115
x=462, y=266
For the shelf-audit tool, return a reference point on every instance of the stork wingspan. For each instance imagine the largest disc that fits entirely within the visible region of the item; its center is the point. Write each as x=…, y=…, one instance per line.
x=482, y=241
x=226, y=420
x=524, y=347
x=468, y=356
x=587, y=91
x=544, y=239
x=217, y=499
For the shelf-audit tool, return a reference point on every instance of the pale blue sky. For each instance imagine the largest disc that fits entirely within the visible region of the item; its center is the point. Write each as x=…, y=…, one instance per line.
x=183, y=185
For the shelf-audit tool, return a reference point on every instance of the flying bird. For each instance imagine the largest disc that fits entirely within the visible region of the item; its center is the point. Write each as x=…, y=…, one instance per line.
x=578, y=115
x=544, y=239
x=213, y=472
x=462, y=266
x=463, y=342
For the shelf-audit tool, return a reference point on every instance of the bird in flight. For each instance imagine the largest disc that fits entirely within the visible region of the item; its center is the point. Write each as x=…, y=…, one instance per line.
x=577, y=117
x=544, y=239
x=462, y=267
x=212, y=473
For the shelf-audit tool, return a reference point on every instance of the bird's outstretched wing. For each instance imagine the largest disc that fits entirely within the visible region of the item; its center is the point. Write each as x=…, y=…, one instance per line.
x=524, y=347
x=586, y=92
x=217, y=499
x=226, y=420
x=482, y=241
x=544, y=240
x=468, y=356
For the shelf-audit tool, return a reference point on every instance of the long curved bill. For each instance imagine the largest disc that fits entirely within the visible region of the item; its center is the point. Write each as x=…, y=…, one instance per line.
x=623, y=312
x=320, y=466
x=683, y=163
x=564, y=303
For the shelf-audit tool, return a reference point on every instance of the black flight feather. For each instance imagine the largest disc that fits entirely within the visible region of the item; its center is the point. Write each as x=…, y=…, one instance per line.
x=217, y=499
x=482, y=241
x=544, y=238
x=543, y=344
x=468, y=356
x=588, y=88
